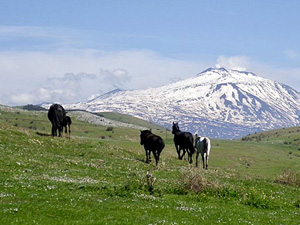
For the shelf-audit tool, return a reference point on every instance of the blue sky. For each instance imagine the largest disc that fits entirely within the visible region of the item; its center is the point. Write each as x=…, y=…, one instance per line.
x=69, y=51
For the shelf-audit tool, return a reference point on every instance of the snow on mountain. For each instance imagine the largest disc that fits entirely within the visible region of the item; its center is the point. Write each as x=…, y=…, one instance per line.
x=217, y=103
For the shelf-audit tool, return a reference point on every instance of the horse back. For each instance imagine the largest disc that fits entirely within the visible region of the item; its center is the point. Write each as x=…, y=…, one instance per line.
x=184, y=139
x=203, y=144
x=154, y=142
x=56, y=114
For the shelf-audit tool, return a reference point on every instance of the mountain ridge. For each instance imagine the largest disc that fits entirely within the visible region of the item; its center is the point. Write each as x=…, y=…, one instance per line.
x=217, y=102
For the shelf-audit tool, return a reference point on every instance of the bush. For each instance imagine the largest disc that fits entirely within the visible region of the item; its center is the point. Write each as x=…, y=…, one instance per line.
x=109, y=129
x=256, y=200
x=194, y=181
x=288, y=177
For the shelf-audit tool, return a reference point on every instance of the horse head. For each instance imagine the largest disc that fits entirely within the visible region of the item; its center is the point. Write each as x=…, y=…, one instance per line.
x=143, y=135
x=175, y=128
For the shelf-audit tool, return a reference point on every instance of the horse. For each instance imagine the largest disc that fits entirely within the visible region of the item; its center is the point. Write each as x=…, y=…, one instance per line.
x=152, y=143
x=67, y=125
x=183, y=141
x=56, y=115
x=202, y=145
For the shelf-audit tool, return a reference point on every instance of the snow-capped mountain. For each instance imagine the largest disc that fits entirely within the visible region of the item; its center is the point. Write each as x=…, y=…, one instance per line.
x=217, y=103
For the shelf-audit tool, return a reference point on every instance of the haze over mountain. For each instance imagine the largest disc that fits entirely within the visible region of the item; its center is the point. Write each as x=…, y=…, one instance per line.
x=217, y=103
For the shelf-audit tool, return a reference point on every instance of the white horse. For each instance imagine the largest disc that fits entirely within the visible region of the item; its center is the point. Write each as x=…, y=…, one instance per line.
x=202, y=145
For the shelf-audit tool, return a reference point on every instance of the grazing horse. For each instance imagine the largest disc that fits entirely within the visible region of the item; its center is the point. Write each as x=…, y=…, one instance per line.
x=56, y=115
x=183, y=141
x=202, y=145
x=67, y=125
x=152, y=143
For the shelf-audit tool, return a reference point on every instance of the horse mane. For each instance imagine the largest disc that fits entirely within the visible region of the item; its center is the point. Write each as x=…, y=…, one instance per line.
x=147, y=133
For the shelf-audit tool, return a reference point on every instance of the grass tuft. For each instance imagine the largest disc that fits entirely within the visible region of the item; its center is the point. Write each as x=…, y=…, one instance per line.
x=288, y=177
x=195, y=181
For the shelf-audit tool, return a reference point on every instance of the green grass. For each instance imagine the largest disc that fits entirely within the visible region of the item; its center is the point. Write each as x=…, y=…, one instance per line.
x=91, y=180
x=131, y=120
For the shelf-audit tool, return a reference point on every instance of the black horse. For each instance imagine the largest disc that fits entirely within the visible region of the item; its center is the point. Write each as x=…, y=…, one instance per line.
x=183, y=141
x=56, y=115
x=152, y=143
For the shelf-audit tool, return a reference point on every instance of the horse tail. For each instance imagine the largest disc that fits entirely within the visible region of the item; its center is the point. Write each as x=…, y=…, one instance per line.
x=162, y=144
x=196, y=138
x=205, y=144
x=191, y=147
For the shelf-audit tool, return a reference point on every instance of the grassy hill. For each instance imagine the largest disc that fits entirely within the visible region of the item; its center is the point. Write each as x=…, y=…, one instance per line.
x=99, y=177
x=130, y=119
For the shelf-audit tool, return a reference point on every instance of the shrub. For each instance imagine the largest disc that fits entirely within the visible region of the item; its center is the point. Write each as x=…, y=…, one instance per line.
x=194, y=181
x=109, y=129
x=288, y=177
x=256, y=200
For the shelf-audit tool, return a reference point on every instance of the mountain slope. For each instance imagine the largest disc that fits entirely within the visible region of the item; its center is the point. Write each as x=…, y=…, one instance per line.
x=217, y=102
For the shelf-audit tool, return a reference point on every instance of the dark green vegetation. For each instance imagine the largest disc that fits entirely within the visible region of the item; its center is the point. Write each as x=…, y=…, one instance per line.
x=99, y=177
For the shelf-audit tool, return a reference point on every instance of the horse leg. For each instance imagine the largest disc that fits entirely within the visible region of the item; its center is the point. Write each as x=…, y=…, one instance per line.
x=190, y=156
x=147, y=158
x=60, y=130
x=178, y=151
x=206, y=161
x=54, y=129
x=188, y=153
x=197, y=158
x=149, y=155
x=69, y=131
x=202, y=155
x=156, y=156
x=183, y=153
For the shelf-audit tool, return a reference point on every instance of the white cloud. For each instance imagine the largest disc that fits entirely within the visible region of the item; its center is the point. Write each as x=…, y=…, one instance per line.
x=288, y=76
x=72, y=75
x=240, y=63
x=116, y=78
x=76, y=75
x=292, y=55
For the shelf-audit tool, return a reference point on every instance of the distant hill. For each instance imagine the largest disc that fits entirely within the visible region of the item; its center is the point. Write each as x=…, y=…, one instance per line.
x=32, y=107
x=286, y=136
x=129, y=119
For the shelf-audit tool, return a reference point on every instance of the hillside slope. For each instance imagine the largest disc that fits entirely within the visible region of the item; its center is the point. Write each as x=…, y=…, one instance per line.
x=86, y=180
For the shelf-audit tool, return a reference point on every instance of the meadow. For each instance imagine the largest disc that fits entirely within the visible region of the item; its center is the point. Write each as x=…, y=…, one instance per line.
x=99, y=176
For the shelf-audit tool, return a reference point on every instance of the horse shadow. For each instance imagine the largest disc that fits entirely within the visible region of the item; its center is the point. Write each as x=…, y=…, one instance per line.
x=43, y=134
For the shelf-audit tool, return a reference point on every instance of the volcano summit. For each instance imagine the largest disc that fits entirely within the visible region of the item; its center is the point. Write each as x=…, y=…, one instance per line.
x=217, y=103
